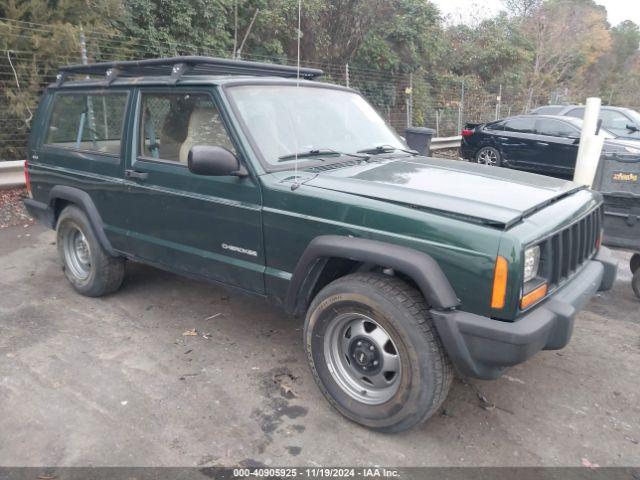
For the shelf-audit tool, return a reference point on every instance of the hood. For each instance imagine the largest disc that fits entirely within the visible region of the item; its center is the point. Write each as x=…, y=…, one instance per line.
x=496, y=196
x=619, y=143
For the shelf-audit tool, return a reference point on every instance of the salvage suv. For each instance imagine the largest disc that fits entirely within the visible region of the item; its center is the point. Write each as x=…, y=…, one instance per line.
x=255, y=176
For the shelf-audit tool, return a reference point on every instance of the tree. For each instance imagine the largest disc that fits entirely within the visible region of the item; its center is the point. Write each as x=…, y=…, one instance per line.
x=177, y=27
x=565, y=37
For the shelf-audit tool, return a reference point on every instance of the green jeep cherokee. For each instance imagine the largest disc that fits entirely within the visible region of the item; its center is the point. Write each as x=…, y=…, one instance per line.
x=257, y=177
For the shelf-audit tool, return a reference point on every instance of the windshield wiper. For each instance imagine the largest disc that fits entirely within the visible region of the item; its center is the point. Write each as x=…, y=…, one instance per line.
x=386, y=149
x=320, y=152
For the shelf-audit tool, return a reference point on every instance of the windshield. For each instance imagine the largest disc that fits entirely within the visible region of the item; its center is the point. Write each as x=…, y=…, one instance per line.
x=635, y=116
x=285, y=120
x=603, y=131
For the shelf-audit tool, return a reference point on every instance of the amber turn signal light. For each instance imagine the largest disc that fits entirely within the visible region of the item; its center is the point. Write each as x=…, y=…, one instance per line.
x=533, y=296
x=499, y=293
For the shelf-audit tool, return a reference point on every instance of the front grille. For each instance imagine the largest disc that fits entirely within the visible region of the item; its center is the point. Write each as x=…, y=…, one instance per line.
x=567, y=250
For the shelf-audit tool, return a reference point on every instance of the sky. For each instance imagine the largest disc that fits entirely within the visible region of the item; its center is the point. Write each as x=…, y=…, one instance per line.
x=468, y=10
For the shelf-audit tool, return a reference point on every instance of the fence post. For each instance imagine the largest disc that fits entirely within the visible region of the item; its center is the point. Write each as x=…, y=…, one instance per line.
x=499, y=102
x=346, y=74
x=461, y=107
x=409, y=101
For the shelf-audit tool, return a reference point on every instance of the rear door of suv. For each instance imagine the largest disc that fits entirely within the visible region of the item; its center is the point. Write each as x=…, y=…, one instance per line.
x=83, y=140
x=200, y=225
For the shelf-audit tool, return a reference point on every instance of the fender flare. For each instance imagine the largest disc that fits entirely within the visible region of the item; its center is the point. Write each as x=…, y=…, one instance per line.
x=82, y=199
x=419, y=266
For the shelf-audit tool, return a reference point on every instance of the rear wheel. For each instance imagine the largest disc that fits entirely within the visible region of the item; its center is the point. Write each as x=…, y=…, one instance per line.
x=489, y=156
x=375, y=353
x=89, y=268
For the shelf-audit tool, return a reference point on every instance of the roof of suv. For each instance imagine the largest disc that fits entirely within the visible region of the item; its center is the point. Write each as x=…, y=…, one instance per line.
x=185, y=69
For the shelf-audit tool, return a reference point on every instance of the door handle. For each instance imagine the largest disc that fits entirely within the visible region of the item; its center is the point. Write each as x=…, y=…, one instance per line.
x=544, y=144
x=503, y=138
x=135, y=175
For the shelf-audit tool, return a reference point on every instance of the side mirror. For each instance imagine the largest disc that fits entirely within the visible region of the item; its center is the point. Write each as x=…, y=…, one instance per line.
x=632, y=128
x=214, y=161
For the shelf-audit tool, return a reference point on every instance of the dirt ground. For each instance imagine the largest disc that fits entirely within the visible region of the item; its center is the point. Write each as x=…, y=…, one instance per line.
x=121, y=381
x=12, y=212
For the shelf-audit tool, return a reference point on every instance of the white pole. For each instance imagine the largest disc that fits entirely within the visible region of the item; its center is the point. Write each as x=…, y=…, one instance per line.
x=590, y=146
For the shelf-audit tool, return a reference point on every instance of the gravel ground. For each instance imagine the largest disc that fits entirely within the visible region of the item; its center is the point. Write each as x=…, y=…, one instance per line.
x=12, y=211
x=450, y=153
x=173, y=372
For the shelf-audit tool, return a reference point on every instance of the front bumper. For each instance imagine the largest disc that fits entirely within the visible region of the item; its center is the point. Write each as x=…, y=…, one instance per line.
x=484, y=348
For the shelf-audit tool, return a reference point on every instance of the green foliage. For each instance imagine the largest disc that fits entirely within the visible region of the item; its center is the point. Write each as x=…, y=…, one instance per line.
x=536, y=51
x=177, y=27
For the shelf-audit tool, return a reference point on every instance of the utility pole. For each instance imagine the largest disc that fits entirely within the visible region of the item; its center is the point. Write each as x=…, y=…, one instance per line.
x=346, y=74
x=239, y=54
x=235, y=28
x=498, y=103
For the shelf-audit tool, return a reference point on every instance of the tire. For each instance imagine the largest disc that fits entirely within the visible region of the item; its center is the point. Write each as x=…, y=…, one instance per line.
x=489, y=156
x=634, y=263
x=635, y=283
x=410, y=384
x=88, y=267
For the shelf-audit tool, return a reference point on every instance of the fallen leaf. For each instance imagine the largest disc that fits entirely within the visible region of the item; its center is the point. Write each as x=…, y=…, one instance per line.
x=588, y=464
x=190, y=333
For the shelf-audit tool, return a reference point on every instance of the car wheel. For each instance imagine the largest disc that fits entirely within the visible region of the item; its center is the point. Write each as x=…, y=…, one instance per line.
x=634, y=264
x=375, y=353
x=89, y=268
x=489, y=156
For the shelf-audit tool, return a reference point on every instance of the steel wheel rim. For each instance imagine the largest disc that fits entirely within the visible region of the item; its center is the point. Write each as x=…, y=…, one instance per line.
x=488, y=157
x=352, y=346
x=77, y=253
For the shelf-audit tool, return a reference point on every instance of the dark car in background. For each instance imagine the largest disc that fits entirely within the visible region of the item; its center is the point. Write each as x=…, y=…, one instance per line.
x=545, y=144
x=622, y=122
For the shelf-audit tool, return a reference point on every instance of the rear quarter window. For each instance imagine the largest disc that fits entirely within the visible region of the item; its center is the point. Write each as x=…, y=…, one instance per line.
x=87, y=121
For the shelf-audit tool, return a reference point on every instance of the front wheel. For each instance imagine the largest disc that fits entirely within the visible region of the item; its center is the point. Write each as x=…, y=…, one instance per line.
x=489, y=156
x=374, y=352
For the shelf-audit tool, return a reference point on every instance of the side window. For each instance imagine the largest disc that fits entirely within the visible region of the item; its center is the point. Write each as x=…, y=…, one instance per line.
x=576, y=112
x=555, y=128
x=613, y=119
x=87, y=121
x=172, y=123
x=520, y=125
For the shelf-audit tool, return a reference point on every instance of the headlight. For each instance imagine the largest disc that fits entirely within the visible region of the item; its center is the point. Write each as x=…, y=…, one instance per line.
x=632, y=150
x=531, y=263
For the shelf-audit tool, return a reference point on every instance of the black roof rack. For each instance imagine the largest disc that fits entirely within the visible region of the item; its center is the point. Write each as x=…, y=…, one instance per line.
x=175, y=67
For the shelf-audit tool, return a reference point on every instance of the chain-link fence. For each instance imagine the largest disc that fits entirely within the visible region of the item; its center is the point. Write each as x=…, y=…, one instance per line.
x=29, y=62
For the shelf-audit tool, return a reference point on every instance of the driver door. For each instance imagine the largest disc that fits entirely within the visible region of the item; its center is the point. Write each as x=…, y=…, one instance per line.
x=206, y=226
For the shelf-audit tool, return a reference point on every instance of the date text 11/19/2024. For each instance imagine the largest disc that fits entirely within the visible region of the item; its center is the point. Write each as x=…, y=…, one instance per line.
x=316, y=472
